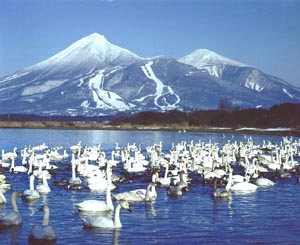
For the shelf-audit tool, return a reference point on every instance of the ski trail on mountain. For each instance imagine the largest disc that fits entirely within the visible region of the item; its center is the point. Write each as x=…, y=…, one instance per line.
x=160, y=88
x=105, y=99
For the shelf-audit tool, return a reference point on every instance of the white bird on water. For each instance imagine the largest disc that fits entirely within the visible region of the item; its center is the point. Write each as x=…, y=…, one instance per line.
x=31, y=194
x=11, y=218
x=138, y=195
x=2, y=197
x=97, y=205
x=106, y=222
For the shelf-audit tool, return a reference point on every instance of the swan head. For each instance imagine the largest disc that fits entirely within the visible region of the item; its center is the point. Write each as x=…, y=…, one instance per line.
x=17, y=194
x=152, y=184
x=126, y=205
x=44, y=208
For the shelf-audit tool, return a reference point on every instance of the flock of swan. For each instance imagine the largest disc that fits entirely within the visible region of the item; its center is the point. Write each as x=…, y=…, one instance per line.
x=232, y=168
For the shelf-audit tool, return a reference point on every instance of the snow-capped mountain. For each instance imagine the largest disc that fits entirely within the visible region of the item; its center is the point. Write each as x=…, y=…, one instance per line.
x=210, y=61
x=85, y=56
x=94, y=77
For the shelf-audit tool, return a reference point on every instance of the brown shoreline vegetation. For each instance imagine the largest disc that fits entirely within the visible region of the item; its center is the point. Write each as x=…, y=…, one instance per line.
x=176, y=127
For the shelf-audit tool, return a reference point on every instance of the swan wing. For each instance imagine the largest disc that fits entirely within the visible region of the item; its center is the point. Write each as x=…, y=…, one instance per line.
x=129, y=196
x=97, y=222
x=92, y=206
x=10, y=218
x=244, y=186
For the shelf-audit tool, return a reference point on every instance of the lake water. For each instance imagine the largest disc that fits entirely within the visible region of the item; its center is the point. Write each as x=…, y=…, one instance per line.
x=267, y=216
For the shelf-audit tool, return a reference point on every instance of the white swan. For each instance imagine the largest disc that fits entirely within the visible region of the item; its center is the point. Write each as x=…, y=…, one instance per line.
x=264, y=182
x=164, y=181
x=44, y=232
x=11, y=218
x=16, y=169
x=31, y=193
x=43, y=187
x=138, y=195
x=74, y=180
x=8, y=155
x=105, y=222
x=241, y=186
x=97, y=205
x=2, y=197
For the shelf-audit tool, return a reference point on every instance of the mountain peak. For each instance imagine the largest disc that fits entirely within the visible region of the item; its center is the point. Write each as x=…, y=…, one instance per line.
x=204, y=57
x=92, y=51
x=94, y=39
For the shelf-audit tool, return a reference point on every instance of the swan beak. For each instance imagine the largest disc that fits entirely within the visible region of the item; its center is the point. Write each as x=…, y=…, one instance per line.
x=129, y=209
x=19, y=194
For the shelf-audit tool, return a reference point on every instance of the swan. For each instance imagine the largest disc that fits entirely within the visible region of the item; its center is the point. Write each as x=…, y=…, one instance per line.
x=31, y=193
x=43, y=188
x=97, y=205
x=174, y=190
x=44, y=232
x=2, y=197
x=74, y=180
x=16, y=169
x=101, y=179
x=2, y=178
x=4, y=164
x=11, y=218
x=241, y=186
x=8, y=155
x=105, y=222
x=220, y=192
x=75, y=148
x=164, y=181
x=264, y=182
x=138, y=195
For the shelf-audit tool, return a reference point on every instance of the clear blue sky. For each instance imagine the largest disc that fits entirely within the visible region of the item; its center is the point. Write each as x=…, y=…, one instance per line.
x=261, y=33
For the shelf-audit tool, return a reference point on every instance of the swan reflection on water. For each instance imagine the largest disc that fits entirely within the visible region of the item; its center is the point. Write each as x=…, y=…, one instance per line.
x=107, y=234
x=13, y=231
x=45, y=233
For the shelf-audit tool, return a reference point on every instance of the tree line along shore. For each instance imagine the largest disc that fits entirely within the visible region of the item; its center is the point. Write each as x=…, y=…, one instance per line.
x=282, y=119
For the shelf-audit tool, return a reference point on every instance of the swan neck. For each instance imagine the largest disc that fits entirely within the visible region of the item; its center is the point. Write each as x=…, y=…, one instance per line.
x=166, y=171
x=46, y=216
x=14, y=203
x=45, y=182
x=2, y=196
x=117, y=221
x=73, y=171
x=147, y=195
x=31, y=183
x=229, y=183
x=108, y=198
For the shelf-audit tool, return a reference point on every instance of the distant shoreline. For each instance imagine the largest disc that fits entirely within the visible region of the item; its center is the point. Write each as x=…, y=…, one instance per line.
x=172, y=127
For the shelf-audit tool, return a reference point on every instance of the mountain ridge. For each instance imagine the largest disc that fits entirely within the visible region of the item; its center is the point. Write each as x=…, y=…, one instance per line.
x=95, y=77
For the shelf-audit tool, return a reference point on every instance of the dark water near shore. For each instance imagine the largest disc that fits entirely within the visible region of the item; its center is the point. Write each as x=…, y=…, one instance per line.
x=267, y=216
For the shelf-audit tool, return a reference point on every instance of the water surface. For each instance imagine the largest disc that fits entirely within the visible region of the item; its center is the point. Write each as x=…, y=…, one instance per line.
x=267, y=216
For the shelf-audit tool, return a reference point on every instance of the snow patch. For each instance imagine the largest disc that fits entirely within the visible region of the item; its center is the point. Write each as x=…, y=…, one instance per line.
x=48, y=85
x=252, y=81
x=85, y=104
x=105, y=99
x=81, y=82
x=14, y=76
x=264, y=129
x=288, y=93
